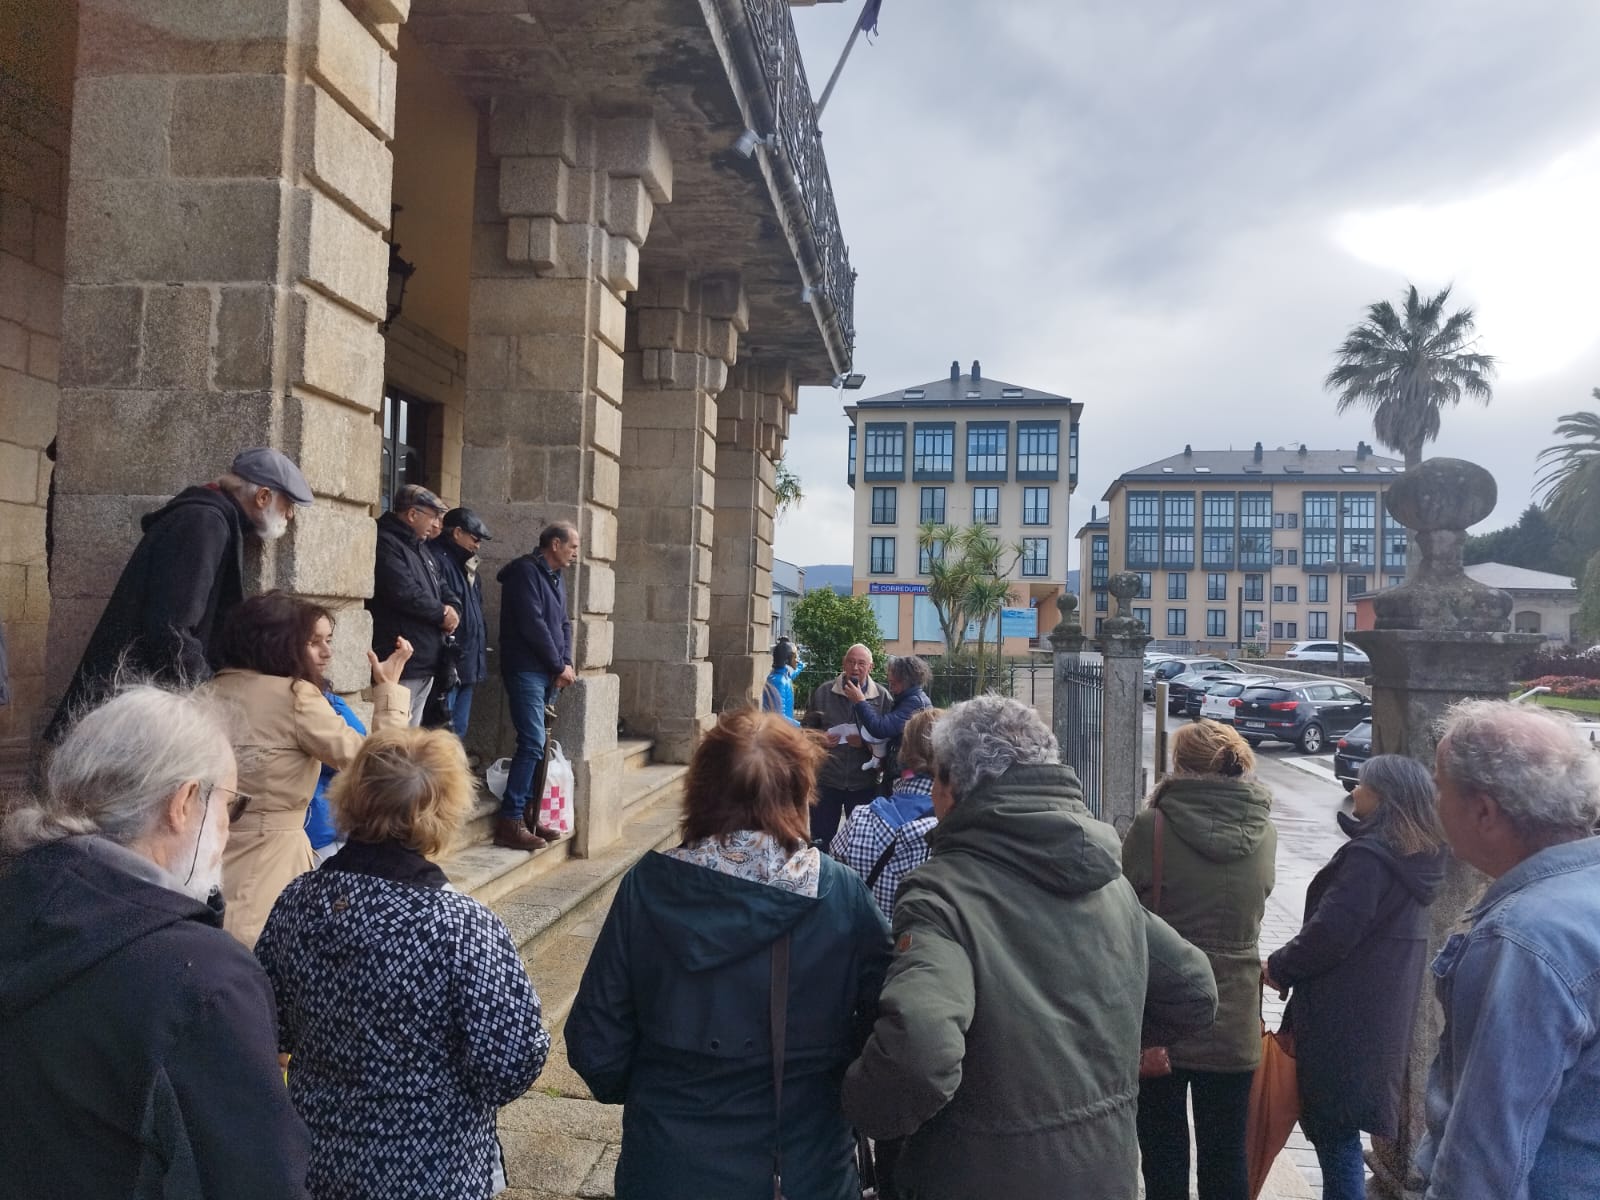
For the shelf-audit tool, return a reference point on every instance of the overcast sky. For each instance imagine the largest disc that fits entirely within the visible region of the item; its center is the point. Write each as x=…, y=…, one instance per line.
x=1172, y=212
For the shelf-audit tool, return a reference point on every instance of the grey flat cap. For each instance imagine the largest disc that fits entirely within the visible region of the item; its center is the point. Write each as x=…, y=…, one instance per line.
x=271, y=468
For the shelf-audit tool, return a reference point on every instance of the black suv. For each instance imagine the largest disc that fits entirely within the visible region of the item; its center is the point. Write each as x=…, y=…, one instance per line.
x=1350, y=751
x=1304, y=713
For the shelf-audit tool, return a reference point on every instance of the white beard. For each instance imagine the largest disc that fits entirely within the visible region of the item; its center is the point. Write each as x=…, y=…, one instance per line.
x=207, y=876
x=271, y=525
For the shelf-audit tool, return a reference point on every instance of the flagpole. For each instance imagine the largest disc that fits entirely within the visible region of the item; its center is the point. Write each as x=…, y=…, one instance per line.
x=848, y=46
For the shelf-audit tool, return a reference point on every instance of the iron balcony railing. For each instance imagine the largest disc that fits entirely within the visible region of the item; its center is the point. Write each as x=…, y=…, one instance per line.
x=800, y=142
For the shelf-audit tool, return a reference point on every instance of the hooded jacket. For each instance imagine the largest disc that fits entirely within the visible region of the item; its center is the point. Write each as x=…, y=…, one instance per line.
x=1007, y=1045
x=1218, y=871
x=458, y=568
x=535, y=631
x=140, y=1055
x=1356, y=969
x=672, y=1022
x=181, y=582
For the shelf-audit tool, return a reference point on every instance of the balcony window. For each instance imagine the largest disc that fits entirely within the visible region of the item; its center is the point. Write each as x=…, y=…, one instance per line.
x=986, y=505
x=1217, y=510
x=850, y=466
x=933, y=449
x=1036, y=506
x=1254, y=588
x=1142, y=548
x=927, y=556
x=1252, y=622
x=1177, y=586
x=1321, y=510
x=1321, y=549
x=1177, y=622
x=1142, y=615
x=1216, y=622
x=883, y=505
x=1072, y=454
x=987, y=449
x=1217, y=550
x=1177, y=510
x=1177, y=549
x=1100, y=549
x=1144, y=510
x=932, y=508
x=1217, y=586
x=1035, y=557
x=1317, y=624
x=1100, y=604
x=1317, y=589
x=1355, y=585
x=884, y=452
x=1038, y=449
x=1144, y=585
x=882, y=556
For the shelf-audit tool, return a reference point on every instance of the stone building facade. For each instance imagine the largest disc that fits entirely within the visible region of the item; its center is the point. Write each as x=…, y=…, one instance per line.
x=607, y=309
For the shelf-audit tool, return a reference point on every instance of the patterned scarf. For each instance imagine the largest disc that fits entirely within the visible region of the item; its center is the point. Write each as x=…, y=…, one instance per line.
x=757, y=857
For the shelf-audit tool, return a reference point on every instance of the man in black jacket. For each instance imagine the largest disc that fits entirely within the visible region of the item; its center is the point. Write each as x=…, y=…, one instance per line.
x=138, y=1041
x=456, y=553
x=409, y=599
x=183, y=579
x=535, y=662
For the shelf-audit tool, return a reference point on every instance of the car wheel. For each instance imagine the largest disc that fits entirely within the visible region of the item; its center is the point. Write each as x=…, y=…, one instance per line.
x=1349, y=784
x=1312, y=741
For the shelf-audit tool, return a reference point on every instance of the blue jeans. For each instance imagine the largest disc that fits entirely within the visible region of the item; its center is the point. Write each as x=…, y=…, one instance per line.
x=526, y=692
x=461, y=708
x=1344, y=1171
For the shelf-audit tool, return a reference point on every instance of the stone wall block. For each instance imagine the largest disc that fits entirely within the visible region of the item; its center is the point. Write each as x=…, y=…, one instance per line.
x=533, y=126
x=489, y=469
x=44, y=357
x=137, y=230
x=591, y=643
x=599, y=590
x=352, y=635
x=331, y=551
x=714, y=374
x=607, y=371
x=721, y=341
x=337, y=448
x=383, y=11
x=341, y=255
x=340, y=353
x=621, y=270
x=604, y=478
x=661, y=328
x=119, y=126
x=488, y=361
x=19, y=474
x=566, y=468
x=629, y=210
x=16, y=226
x=532, y=240
x=580, y=251
x=553, y=361
x=670, y=289
x=29, y=294
x=691, y=681
x=343, y=157
x=610, y=319
x=104, y=326
x=350, y=63
x=522, y=306
x=247, y=144
x=722, y=298
x=176, y=337
x=529, y=476
x=534, y=187
x=605, y=426
x=601, y=535
x=634, y=146
x=246, y=333
x=240, y=35
x=13, y=346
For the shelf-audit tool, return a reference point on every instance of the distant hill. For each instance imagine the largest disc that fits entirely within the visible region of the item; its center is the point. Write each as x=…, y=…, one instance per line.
x=1073, y=578
x=829, y=575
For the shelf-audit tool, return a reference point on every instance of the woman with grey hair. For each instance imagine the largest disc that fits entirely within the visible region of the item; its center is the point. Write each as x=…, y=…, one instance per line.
x=125, y=1009
x=908, y=678
x=1356, y=966
x=1006, y=1049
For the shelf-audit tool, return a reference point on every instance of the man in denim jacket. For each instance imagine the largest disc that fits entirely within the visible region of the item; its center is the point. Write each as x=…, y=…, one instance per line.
x=1513, y=1103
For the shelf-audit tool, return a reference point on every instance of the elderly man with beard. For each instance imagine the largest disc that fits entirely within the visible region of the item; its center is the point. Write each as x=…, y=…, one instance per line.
x=184, y=577
x=138, y=1043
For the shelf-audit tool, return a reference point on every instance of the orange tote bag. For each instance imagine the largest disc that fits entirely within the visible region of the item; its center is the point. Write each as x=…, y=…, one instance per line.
x=1274, y=1106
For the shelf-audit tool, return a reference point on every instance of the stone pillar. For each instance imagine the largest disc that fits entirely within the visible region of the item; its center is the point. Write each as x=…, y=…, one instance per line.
x=1122, y=641
x=563, y=203
x=1439, y=638
x=752, y=422
x=226, y=272
x=683, y=338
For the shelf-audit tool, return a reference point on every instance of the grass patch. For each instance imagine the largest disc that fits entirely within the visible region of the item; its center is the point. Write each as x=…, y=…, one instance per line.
x=1571, y=705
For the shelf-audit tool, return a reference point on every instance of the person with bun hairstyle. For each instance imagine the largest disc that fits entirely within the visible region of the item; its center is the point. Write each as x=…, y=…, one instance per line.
x=1212, y=823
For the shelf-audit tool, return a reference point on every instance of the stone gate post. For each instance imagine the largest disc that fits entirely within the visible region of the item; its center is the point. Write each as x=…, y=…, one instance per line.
x=1066, y=715
x=1439, y=639
x=1122, y=641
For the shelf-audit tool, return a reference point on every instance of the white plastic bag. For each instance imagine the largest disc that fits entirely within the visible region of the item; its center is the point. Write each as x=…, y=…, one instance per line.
x=555, y=806
x=499, y=771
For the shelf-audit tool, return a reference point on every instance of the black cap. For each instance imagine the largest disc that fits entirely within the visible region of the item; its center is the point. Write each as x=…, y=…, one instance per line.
x=266, y=467
x=465, y=518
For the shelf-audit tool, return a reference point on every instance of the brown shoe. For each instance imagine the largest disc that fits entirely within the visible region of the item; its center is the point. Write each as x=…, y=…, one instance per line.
x=510, y=833
x=548, y=834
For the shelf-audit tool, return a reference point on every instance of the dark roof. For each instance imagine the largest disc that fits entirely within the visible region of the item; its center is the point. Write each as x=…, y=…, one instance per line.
x=955, y=393
x=1097, y=523
x=1318, y=466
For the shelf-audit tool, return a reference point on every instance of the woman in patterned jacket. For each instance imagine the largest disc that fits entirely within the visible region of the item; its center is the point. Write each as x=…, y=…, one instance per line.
x=403, y=1004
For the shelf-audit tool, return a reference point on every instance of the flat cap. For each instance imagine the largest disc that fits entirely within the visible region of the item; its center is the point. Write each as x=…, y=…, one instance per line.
x=465, y=518
x=414, y=495
x=266, y=467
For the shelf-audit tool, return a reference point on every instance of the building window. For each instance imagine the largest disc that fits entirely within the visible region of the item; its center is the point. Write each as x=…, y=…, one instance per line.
x=1142, y=615
x=1218, y=549
x=1177, y=510
x=1099, y=622
x=1396, y=580
x=884, y=452
x=1217, y=586
x=1317, y=589
x=1277, y=631
x=1252, y=622
x=407, y=424
x=1291, y=630
x=1317, y=624
x=1144, y=585
x=1177, y=622
x=1142, y=548
x=1036, y=506
x=1255, y=529
x=1322, y=549
x=1217, y=510
x=883, y=505
x=1321, y=510
x=1100, y=604
x=1144, y=510
x=1216, y=622
x=1277, y=558
x=933, y=451
x=1038, y=449
x=1355, y=585
x=1177, y=549
x=1072, y=454
x=927, y=556
x=932, y=506
x=1294, y=557
x=1285, y=594
x=986, y=449
x=882, y=556
x=1394, y=542
x=1350, y=621
x=1035, y=557
x=1254, y=587
x=986, y=505
x=1100, y=549
x=1360, y=527
x=1177, y=586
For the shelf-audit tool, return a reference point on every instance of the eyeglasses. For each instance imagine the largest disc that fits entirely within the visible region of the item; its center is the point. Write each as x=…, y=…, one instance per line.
x=236, y=806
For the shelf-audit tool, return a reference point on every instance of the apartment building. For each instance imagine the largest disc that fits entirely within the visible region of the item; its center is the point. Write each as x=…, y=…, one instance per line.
x=1235, y=546
x=954, y=451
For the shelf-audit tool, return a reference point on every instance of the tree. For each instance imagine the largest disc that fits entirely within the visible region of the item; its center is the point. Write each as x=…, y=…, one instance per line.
x=1407, y=369
x=1570, y=483
x=1533, y=542
x=966, y=581
x=1587, y=621
x=787, y=492
x=827, y=624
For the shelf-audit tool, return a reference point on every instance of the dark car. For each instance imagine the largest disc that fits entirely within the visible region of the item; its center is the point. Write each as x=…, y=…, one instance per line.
x=1350, y=751
x=1307, y=714
x=1171, y=668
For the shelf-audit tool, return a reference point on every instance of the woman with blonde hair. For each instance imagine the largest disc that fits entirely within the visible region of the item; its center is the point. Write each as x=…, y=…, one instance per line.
x=742, y=948
x=403, y=1003
x=1200, y=855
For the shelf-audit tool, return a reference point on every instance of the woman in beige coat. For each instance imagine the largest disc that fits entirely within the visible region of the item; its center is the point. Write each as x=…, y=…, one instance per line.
x=273, y=655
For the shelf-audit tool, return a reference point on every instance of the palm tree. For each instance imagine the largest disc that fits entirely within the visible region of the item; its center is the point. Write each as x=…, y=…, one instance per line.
x=1407, y=368
x=986, y=596
x=786, y=491
x=947, y=583
x=1570, y=483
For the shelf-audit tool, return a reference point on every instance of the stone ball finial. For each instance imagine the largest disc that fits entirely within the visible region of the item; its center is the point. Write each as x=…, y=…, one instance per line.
x=1066, y=605
x=1124, y=585
x=1443, y=494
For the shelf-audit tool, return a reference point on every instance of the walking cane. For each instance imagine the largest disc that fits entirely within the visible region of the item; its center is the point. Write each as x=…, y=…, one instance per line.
x=530, y=815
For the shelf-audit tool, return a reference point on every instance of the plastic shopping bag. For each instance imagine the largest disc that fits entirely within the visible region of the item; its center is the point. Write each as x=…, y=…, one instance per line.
x=555, y=806
x=495, y=777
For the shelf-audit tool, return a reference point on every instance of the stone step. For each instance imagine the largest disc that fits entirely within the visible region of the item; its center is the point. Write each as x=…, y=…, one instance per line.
x=645, y=785
x=635, y=752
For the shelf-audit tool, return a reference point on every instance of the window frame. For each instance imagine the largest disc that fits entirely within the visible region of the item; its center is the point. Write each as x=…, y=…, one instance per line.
x=884, y=514
x=1031, y=557
x=922, y=506
x=996, y=510
x=875, y=563
x=930, y=462
x=1043, y=464
x=1027, y=506
x=993, y=455
x=889, y=456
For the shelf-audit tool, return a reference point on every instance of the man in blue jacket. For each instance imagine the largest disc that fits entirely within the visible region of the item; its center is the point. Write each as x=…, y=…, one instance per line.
x=456, y=552
x=535, y=662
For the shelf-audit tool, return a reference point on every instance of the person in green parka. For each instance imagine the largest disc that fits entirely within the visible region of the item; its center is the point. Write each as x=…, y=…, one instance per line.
x=1218, y=847
x=672, y=1019
x=1007, y=1043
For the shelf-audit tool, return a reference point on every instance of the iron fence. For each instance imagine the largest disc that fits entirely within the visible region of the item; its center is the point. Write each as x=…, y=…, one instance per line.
x=1080, y=729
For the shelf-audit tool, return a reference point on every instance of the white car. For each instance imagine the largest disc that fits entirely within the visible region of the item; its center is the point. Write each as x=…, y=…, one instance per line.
x=1326, y=652
x=1222, y=698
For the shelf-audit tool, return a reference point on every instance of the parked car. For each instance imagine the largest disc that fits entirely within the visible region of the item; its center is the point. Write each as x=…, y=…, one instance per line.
x=1185, y=692
x=1219, y=700
x=1307, y=714
x=1170, y=668
x=1326, y=652
x=1350, y=751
